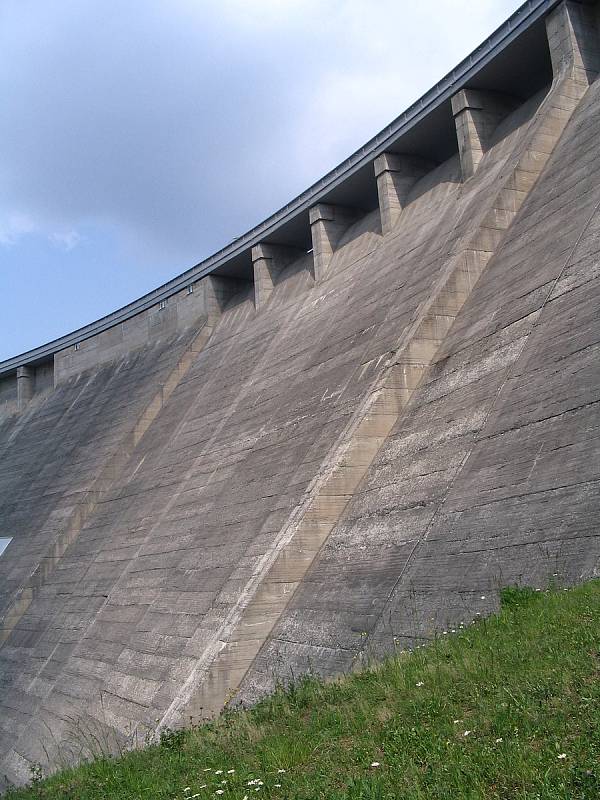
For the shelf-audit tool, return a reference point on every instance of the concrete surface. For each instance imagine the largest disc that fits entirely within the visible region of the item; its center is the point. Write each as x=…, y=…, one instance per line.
x=347, y=452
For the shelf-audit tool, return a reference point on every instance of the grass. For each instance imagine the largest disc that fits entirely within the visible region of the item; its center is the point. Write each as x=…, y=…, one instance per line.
x=505, y=708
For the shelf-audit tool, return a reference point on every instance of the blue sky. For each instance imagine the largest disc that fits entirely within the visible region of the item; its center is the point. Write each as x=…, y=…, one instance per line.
x=136, y=138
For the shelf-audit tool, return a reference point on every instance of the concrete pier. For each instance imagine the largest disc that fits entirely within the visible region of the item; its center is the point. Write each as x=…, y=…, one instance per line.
x=268, y=261
x=396, y=175
x=25, y=386
x=573, y=31
x=327, y=225
x=476, y=115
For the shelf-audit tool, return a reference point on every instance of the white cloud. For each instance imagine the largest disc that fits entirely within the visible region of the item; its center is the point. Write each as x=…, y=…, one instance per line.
x=13, y=227
x=181, y=123
x=66, y=240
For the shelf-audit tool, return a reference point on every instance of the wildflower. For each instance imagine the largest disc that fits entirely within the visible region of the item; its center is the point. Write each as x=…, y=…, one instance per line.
x=230, y=771
x=455, y=721
x=483, y=597
x=445, y=633
x=218, y=772
x=499, y=740
x=207, y=769
x=277, y=785
x=466, y=733
x=562, y=755
x=453, y=630
x=420, y=683
x=375, y=764
x=280, y=771
x=195, y=795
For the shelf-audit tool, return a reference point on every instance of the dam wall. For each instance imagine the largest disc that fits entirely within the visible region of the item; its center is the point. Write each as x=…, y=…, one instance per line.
x=345, y=439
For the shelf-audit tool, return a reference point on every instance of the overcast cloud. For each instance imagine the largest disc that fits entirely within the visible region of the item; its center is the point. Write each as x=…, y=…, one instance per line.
x=138, y=136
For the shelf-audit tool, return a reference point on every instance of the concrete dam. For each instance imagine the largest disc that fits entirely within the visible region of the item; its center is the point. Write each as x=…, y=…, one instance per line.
x=338, y=436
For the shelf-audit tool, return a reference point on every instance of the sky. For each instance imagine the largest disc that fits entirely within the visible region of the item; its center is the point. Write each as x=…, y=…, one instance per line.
x=137, y=137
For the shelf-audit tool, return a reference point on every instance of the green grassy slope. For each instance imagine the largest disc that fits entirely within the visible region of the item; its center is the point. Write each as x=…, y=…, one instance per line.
x=506, y=708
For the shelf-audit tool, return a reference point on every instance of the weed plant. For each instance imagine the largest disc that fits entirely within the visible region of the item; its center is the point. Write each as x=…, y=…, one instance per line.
x=504, y=708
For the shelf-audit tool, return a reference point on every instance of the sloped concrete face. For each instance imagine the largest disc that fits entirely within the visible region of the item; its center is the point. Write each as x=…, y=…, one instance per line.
x=353, y=455
x=492, y=475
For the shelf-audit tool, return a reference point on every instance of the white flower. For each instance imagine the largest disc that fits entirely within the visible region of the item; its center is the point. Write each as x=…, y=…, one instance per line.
x=456, y=721
x=420, y=683
x=218, y=772
x=562, y=755
x=499, y=740
x=466, y=733
x=220, y=791
x=375, y=764
x=277, y=785
x=280, y=771
x=230, y=771
x=483, y=597
x=445, y=633
x=207, y=769
x=245, y=797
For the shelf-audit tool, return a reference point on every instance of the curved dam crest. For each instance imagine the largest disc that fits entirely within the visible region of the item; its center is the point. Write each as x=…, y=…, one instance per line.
x=342, y=440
